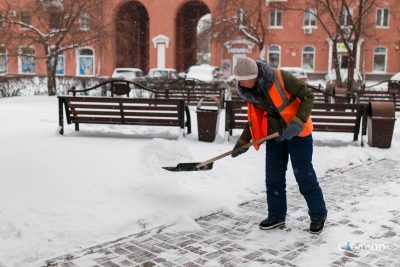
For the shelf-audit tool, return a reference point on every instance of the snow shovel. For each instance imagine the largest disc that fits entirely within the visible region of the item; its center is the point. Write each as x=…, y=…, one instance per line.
x=208, y=164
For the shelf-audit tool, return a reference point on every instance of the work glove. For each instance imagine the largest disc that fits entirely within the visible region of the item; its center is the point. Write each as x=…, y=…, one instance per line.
x=292, y=129
x=237, y=150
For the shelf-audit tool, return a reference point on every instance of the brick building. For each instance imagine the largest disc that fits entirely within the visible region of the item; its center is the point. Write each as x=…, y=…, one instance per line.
x=162, y=33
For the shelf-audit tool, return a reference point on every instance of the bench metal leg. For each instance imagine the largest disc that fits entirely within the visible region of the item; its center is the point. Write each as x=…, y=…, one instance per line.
x=226, y=136
x=188, y=123
x=76, y=126
x=181, y=133
x=355, y=137
x=60, y=116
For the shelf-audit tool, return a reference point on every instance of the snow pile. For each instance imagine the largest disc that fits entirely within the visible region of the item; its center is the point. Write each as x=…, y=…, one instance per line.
x=62, y=193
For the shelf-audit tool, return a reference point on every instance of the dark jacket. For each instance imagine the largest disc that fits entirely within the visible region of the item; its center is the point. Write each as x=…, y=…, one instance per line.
x=260, y=98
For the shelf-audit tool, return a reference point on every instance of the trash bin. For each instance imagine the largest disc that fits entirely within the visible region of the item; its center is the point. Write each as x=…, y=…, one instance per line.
x=207, y=119
x=380, y=124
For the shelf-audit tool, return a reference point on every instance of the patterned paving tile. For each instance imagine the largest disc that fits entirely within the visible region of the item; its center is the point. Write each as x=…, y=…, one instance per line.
x=227, y=239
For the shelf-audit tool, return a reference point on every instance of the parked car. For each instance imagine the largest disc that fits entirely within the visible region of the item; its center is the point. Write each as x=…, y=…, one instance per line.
x=204, y=72
x=330, y=79
x=163, y=74
x=395, y=77
x=127, y=73
x=296, y=72
x=394, y=83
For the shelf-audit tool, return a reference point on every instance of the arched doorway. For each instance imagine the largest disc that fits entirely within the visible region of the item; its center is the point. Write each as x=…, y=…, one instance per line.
x=186, y=33
x=132, y=36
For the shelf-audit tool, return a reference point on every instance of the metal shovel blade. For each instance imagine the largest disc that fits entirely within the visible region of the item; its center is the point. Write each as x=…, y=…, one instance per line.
x=189, y=167
x=208, y=164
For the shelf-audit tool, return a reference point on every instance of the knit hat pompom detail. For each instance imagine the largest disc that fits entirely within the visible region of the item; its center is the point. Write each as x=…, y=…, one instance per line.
x=245, y=69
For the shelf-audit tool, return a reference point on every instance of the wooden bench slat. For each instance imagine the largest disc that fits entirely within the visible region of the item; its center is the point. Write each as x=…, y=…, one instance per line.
x=125, y=121
x=240, y=110
x=334, y=120
x=126, y=107
x=77, y=113
x=241, y=123
x=241, y=115
x=111, y=100
x=331, y=128
x=86, y=106
x=333, y=113
x=126, y=114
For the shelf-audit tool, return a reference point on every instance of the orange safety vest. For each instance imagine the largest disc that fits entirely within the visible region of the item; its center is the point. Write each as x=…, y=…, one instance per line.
x=287, y=106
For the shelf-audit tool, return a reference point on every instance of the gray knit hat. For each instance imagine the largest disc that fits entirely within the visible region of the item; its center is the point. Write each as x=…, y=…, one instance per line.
x=245, y=69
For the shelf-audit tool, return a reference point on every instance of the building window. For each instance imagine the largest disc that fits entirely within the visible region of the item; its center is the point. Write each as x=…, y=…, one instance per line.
x=275, y=18
x=346, y=17
x=26, y=60
x=308, y=58
x=274, y=56
x=267, y=2
x=241, y=18
x=382, y=18
x=380, y=59
x=310, y=20
x=26, y=17
x=84, y=22
x=85, y=62
x=3, y=60
x=60, y=68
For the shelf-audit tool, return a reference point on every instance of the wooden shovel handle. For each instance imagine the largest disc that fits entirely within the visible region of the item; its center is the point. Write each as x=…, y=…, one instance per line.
x=256, y=142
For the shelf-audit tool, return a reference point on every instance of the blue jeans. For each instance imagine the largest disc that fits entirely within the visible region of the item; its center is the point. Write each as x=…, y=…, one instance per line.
x=300, y=150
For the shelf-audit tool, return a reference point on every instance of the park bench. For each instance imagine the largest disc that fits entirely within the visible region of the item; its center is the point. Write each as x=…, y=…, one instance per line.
x=191, y=91
x=320, y=96
x=338, y=95
x=366, y=96
x=326, y=117
x=122, y=110
x=340, y=117
x=192, y=95
x=235, y=115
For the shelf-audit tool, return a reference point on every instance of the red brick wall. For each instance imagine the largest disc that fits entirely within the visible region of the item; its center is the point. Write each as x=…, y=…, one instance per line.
x=291, y=38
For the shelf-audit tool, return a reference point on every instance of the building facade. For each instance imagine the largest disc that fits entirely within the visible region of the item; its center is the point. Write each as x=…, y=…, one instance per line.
x=163, y=33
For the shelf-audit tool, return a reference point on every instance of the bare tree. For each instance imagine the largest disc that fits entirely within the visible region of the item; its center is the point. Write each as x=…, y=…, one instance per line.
x=55, y=26
x=344, y=21
x=241, y=18
x=204, y=32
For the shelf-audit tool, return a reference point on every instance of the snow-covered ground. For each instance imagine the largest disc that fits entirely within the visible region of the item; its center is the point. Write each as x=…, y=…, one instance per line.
x=61, y=193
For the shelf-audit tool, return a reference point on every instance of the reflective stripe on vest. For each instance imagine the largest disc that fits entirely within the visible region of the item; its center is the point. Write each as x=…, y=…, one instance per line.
x=286, y=104
x=286, y=101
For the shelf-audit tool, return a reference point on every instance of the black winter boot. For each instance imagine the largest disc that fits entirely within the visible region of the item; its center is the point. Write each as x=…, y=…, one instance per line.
x=270, y=223
x=317, y=225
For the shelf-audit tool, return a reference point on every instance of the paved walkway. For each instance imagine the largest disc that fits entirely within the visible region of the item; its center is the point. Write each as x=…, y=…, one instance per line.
x=363, y=229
